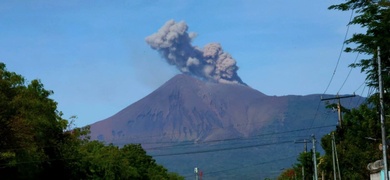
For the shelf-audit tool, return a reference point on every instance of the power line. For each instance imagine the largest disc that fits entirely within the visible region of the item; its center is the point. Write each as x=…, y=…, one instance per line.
x=335, y=69
x=245, y=166
x=241, y=138
x=357, y=103
x=349, y=73
x=222, y=149
x=205, y=142
x=252, y=165
x=341, y=52
x=142, y=136
x=253, y=137
x=132, y=137
x=315, y=115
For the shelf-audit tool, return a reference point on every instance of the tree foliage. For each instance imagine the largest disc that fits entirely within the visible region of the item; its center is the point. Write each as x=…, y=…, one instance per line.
x=354, y=143
x=374, y=17
x=31, y=127
x=288, y=174
x=359, y=125
x=305, y=161
x=353, y=138
x=37, y=143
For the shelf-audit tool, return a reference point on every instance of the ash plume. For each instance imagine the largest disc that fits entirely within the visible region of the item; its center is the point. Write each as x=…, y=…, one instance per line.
x=211, y=63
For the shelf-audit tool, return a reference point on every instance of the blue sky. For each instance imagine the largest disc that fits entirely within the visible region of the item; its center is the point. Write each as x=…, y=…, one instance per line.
x=93, y=54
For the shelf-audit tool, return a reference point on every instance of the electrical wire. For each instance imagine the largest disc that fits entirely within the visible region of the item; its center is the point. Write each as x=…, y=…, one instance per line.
x=341, y=52
x=186, y=143
x=142, y=137
x=319, y=127
x=361, y=94
x=246, y=166
x=255, y=137
x=349, y=73
x=335, y=69
x=222, y=149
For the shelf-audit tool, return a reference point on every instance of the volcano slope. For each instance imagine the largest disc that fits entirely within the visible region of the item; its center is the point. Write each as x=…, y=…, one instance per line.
x=227, y=130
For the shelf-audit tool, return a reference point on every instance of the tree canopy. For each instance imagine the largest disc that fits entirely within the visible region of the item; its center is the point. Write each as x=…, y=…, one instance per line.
x=354, y=140
x=37, y=143
x=358, y=137
x=354, y=144
x=374, y=17
x=305, y=162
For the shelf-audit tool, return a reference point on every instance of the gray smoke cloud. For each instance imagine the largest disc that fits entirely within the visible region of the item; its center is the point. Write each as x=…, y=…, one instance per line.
x=211, y=63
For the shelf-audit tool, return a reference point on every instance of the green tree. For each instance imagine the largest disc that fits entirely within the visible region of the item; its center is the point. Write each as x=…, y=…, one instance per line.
x=305, y=160
x=374, y=16
x=354, y=149
x=288, y=174
x=353, y=145
x=37, y=143
x=99, y=161
x=74, y=140
x=31, y=128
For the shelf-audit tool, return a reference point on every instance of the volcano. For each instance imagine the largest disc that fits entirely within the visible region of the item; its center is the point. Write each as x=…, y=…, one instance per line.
x=188, y=109
x=211, y=125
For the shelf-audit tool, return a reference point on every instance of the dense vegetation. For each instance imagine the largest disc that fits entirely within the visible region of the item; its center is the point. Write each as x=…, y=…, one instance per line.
x=358, y=137
x=363, y=123
x=37, y=143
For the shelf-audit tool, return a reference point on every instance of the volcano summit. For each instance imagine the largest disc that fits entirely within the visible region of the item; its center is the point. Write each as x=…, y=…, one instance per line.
x=188, y=109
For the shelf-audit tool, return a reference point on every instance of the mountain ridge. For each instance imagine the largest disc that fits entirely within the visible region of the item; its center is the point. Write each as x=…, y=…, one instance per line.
x=185, y=108
x=224, y=106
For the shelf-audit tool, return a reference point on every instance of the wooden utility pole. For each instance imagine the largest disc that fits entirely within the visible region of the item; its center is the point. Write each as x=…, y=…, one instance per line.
x=305, y=150
x=314, y=157
x=335, y=158
x=340, y=119
x=382, y=112
x=338, y=105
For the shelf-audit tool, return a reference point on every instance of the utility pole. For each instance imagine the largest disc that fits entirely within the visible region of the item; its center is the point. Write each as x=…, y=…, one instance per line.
x=338, y=105
x=335, y=158
x=382, y=112
x=305, y=150
x=314, y=157
x=340, y=119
